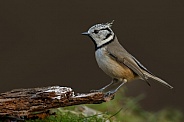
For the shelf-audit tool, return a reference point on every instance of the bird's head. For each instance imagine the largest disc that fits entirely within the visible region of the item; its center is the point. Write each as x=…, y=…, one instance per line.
x=100, y=33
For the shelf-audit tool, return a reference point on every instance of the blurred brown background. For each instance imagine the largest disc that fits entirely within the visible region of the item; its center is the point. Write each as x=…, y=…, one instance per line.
x=41, y=45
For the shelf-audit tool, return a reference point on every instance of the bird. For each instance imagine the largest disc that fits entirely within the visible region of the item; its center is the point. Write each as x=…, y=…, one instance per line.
x=115, y=61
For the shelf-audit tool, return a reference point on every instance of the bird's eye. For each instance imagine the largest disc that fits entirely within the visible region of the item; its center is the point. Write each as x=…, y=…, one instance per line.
x=96, y=31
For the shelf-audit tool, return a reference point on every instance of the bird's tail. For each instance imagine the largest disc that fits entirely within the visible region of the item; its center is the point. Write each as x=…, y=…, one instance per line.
x=158, y=80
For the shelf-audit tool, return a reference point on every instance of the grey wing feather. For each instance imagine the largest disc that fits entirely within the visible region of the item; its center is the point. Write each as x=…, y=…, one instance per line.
x=116, y=51
x=141, y=66
x=122, y=56
x=132, y=65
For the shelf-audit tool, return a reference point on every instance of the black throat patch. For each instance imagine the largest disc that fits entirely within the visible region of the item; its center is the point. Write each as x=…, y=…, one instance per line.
x=96, y=48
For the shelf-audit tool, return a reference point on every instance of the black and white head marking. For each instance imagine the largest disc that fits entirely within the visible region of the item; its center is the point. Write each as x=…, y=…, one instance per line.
x=101, y=34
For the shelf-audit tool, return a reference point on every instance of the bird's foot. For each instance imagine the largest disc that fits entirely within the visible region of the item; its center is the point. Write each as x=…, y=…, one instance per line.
x=109, y=93
x=106, y=94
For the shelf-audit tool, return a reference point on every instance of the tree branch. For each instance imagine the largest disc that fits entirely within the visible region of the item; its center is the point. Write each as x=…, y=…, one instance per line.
x=27, y=102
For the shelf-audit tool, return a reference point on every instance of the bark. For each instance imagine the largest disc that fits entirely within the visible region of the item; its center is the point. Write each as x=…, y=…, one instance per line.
x=33, y=102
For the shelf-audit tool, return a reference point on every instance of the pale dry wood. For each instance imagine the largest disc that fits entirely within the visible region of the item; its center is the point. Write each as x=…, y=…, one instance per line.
x=27, y=102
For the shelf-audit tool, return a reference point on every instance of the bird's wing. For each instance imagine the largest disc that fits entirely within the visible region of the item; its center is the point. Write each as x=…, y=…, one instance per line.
x=141, y=66
x=118, y=53
x=123, y=57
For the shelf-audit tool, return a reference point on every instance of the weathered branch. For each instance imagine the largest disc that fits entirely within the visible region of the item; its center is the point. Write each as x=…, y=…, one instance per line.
x=25, y=102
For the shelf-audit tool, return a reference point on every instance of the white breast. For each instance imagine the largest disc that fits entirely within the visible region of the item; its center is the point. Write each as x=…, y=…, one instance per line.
x=109, y=66
x=101, y=58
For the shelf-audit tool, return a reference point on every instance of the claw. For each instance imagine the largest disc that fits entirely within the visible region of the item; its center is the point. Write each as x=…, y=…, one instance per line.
x=109, y=93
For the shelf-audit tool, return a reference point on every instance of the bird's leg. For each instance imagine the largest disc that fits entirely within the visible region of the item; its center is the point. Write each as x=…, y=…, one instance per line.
x=116, y=84
x=102, y=89
x=112, y=87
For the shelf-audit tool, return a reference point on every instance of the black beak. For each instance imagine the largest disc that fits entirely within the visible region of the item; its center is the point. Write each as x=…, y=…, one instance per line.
x=85, y=33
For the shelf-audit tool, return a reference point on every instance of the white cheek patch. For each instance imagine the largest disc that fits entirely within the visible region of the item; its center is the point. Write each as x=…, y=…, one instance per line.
x=102, y=36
